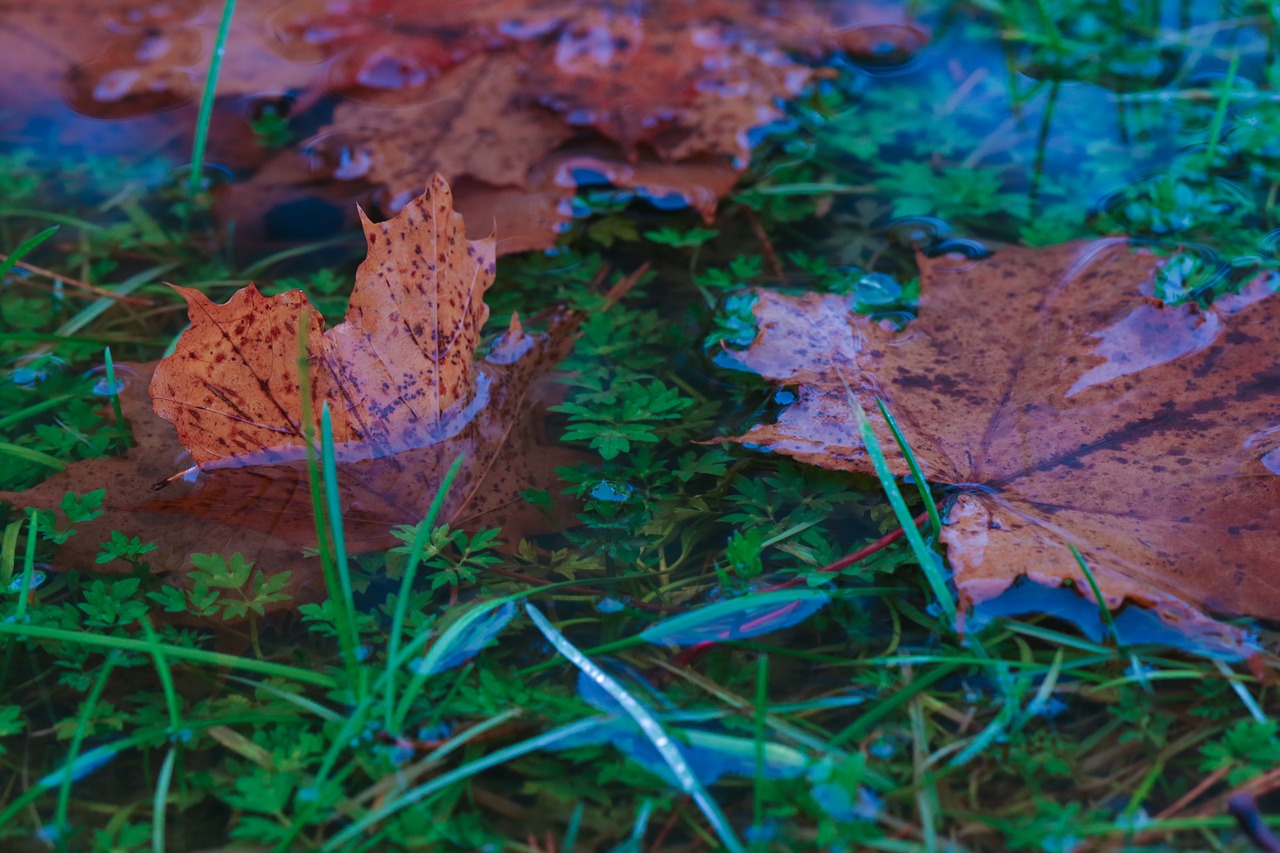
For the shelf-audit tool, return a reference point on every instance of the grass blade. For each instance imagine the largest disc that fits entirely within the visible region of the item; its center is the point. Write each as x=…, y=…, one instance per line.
x=648, y=724
x=930, y=505
x=926, y=556
x=24, y=248
x=205, y=116
x=406, y=585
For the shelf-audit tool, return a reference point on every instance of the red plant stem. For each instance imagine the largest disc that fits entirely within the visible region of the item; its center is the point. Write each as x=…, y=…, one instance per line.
x=859, y=555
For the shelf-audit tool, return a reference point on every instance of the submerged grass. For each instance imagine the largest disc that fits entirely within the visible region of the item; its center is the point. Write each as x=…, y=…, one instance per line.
x=415, y=708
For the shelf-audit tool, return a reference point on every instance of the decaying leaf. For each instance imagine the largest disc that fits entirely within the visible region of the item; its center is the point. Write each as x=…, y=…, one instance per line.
x=129, y=481
x=488, y=94
x=1060, y=404
x=399, y=376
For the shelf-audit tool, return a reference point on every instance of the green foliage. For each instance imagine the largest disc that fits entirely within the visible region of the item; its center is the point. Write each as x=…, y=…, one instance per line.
x=1247, y=749
x=1027, y=122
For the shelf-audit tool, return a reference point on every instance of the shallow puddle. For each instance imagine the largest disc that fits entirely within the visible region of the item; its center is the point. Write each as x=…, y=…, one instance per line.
x=759, y=657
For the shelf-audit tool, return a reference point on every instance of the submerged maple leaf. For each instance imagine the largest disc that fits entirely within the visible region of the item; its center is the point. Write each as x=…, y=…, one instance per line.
x=1060, y=404
x=406, y=395
x=482, y=92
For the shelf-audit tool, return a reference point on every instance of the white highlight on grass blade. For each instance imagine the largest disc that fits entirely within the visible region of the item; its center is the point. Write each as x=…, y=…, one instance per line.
x=1241, y=691
x=652, y=729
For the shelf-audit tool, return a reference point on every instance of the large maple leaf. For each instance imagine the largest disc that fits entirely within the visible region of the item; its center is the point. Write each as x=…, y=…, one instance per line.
x=1059, y=404
x=399, y=376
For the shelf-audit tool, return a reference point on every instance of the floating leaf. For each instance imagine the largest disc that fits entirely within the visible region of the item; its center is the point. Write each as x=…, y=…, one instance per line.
x=407, y=394
x=1061, y=404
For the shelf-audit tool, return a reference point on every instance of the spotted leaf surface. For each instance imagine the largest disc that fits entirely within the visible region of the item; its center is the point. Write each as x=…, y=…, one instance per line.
x=1061, y=404
x=393, y=373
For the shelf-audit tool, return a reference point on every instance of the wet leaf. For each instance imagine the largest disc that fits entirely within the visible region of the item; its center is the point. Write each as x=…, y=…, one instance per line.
x=1060, y=404
x=400, y=376
x=488, y=94
x=738, y=618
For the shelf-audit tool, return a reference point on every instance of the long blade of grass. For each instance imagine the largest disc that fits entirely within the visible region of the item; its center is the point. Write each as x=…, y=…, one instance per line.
x=343, y=840
x=115, y=398
x=343, y=617
x=24, y=248
x=94, y=309
x=930, y=505
x=26, y=454
x=333, y=509
x=205, y=115
x=77, y=740
x=160, y=802
x=926, y=556
x=433, y=661
x=28, y=569
x=649, y=725
x=267, y=668
x=1104, y=612
x=421, y=535
x=156, y=648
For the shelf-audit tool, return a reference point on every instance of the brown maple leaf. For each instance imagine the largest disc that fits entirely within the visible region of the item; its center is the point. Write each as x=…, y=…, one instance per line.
x=486, y=93
x=406, y=394
x=129, y=480
x=1059, y=404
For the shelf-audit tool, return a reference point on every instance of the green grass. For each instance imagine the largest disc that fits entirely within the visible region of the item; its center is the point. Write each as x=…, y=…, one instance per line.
x=432, y=700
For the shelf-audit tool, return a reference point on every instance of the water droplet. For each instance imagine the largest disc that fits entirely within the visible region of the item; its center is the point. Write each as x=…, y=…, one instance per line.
x=37, y=580
x=124, y=374
x=211, y=175
x=892, y=321
x=607, y=490
x=883, y=748
x=784, y=397
x=315, y=30
x=399, y=72
x=143, y=16
x=876, y=289
x=884, y=48
x=917, y=232
x=104, y=89
x=971, y=249
x=610, y=605
x=519, y=30
x=30, y=370
x=338, y=156
x=387, y=204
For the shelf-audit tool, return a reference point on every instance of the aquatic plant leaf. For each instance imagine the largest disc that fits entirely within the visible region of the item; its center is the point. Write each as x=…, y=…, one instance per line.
x=1061, y=404
x=464, y=639
x=738, y=618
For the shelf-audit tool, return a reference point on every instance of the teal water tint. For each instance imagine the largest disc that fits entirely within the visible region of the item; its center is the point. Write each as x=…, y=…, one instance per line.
x=662, y=692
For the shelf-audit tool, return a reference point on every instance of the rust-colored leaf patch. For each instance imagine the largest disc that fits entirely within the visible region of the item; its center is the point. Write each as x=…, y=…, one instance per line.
x=1059, y=404
x=400, y=377
x=386, y=93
